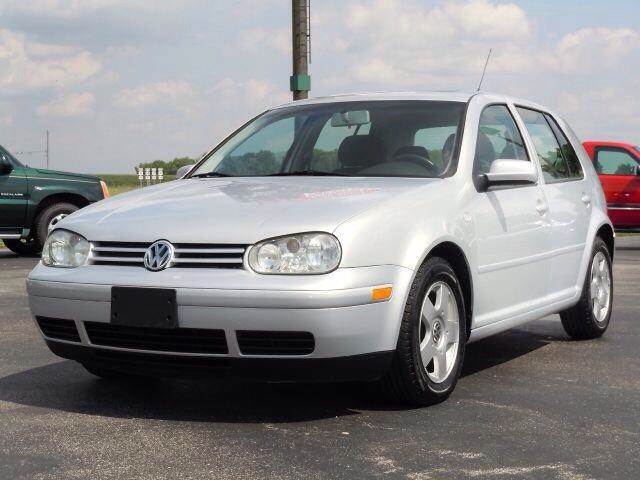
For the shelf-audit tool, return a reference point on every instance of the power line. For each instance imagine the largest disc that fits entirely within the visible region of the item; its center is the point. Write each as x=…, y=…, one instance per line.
x=33, y=152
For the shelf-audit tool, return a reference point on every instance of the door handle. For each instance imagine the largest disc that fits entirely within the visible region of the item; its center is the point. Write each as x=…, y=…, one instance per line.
x=542, y=207
x=586, y=198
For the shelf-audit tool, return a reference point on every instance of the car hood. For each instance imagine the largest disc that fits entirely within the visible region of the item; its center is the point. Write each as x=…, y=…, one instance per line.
x=237, y=211
x=55, y=174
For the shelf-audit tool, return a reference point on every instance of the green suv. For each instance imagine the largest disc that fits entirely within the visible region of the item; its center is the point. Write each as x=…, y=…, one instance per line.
x=33, y=200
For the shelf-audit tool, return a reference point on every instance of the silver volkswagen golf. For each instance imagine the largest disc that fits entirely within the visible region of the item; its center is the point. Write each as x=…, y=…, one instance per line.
x=360, y=237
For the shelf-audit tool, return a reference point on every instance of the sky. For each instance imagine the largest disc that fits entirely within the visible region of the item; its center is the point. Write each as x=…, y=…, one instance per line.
x=119, y=82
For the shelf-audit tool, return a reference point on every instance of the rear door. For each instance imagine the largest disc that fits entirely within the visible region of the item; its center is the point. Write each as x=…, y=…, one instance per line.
x=618, y=169
x=13, y=199
x=569, y=195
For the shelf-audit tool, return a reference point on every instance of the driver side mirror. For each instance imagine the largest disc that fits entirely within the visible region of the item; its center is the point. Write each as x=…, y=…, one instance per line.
x=5, y=165
x=638, y=169
x=182, y=171
x=511, y=173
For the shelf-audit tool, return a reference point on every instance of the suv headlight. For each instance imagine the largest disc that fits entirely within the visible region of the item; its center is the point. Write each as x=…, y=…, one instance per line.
x=304, y=253
x=65, y=249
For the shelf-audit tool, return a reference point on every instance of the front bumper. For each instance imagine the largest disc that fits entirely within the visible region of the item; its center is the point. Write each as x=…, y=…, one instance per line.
x=336, y=308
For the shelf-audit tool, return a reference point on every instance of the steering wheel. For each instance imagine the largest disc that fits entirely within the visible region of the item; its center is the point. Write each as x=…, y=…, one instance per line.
x=417, y=160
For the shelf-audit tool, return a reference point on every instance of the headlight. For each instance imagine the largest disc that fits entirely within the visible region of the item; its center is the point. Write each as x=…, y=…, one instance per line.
x=305, y=253
x=65, y=249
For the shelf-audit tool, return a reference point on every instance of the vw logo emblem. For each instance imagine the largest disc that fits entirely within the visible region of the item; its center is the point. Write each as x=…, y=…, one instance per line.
x=158, y=256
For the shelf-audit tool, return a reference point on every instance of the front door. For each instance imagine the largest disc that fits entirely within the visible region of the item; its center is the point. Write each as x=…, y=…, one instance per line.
x=618, y=171
x=13, y=199
x=511, y=226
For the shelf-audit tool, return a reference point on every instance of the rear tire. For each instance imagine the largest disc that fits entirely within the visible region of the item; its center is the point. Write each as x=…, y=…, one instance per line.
x=48, y=217
x=25, y=248
x=590, y=317
x=429, y=331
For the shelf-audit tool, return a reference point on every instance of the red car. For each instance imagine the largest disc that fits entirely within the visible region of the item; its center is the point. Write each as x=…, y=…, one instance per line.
x=618, y=166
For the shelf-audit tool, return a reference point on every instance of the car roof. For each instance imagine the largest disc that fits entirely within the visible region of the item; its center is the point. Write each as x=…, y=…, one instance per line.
x=453, y=96
x=610, y=143
x=445, y=96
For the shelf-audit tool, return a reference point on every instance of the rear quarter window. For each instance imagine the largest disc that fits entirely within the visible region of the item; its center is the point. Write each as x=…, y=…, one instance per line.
x=568, y=152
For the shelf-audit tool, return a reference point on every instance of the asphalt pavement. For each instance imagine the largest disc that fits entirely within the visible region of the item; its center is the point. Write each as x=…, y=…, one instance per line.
x=531, y=404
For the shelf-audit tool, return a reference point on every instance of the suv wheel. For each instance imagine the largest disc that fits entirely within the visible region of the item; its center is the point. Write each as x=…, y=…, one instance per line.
x=49, y=217
x=589, y=318
x=26, y=247
x=431, y=343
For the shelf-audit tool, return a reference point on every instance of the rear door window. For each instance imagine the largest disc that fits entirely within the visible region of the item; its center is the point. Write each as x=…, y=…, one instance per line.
x=567, y=150
x=552, y=161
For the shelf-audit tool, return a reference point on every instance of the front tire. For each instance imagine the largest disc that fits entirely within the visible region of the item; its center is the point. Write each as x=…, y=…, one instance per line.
x=590, y=317
x=48, y=218
x=432, y=339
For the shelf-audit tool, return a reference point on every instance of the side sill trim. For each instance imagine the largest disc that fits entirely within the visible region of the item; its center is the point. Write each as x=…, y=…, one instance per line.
x=492, y=267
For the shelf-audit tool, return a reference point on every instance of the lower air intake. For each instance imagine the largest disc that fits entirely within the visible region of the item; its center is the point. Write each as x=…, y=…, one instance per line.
x=257, y=342
x=59, y=329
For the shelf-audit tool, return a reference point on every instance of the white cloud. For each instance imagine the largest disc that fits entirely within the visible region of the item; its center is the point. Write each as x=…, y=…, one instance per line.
x=28, y=65
x=6, y=120
x=68, y=105
x=174, y=93
x=255, y=93
x=256, y=39
x=70, y=9
x=608, y=112
x=404, y=43
x=593, y=48
x=408, y=21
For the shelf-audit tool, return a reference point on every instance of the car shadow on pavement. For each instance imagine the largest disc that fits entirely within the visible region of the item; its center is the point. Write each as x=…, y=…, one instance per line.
x=66, y=386
x=510, y=345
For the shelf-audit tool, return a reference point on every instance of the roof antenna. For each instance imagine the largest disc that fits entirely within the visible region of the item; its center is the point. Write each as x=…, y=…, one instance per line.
x=484, y=70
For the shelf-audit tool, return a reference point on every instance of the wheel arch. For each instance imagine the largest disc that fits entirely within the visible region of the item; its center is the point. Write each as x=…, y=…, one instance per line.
x=73, y=198
x=455, y=255
x=605, y=232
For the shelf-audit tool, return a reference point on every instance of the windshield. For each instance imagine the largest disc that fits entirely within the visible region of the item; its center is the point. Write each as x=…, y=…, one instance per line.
x=356, y=139
x=12, y=160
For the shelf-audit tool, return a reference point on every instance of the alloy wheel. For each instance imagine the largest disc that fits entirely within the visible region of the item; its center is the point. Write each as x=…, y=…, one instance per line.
x=600, y=287
x=54, y=221
x=439, y=332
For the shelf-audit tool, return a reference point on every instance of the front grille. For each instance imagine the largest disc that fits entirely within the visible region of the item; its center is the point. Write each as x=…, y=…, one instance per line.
x=257, y=342
x=187, y=255
x=183, y=340
x=59, y=329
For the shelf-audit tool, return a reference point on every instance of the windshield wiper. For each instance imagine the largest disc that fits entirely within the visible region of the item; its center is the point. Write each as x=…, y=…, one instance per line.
x=210, y=175
x=310, y=173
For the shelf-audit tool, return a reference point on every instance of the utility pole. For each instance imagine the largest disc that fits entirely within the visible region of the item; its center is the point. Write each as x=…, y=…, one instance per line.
x=46, y=151
x=300, y=81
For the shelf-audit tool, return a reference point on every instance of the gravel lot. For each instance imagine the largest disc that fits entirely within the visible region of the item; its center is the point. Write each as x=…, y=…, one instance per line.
x=531, y=404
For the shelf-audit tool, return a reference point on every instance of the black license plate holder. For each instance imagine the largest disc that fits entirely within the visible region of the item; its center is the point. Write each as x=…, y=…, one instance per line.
x=144, y=307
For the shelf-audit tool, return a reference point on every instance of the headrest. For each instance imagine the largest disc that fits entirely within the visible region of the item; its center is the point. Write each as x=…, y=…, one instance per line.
x=485, y=153
x=416, y=150
x=361, y=151
x=447, y=148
